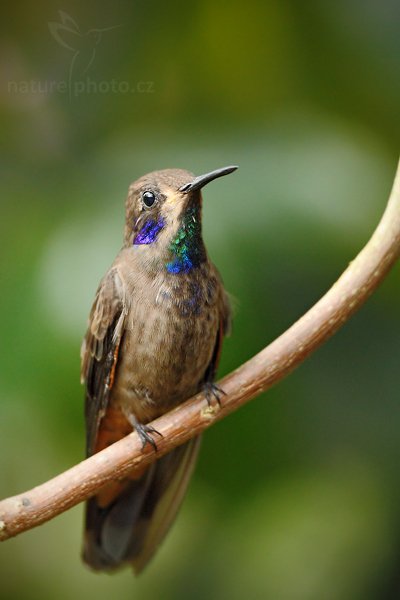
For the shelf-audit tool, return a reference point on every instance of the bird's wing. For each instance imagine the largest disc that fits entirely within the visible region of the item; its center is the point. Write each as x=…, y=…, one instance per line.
x=99, y=352
x=224, y=329
x=225, y=313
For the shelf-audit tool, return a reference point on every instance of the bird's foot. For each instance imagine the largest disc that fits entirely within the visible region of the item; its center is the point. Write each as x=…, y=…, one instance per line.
x=212, y=390
x=144, y=432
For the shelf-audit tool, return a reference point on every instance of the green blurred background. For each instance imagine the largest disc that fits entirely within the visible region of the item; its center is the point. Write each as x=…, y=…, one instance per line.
x=296, y=496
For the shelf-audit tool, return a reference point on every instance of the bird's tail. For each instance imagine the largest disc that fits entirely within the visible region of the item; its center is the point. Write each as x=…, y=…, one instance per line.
x=126, y=522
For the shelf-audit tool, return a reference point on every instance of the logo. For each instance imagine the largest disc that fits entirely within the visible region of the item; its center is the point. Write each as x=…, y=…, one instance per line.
x=83, y=45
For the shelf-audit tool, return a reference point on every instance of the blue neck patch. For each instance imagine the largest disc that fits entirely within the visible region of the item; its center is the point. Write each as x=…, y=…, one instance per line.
x=149, y=232
x=180, y=265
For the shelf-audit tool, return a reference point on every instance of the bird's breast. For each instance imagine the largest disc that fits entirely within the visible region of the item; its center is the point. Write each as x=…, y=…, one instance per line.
x=171, y=333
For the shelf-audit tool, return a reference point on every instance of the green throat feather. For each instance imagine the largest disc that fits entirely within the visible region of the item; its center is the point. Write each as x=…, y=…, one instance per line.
x=187, y=247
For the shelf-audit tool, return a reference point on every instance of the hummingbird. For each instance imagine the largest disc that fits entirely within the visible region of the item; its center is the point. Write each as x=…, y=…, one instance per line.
x=153, y=340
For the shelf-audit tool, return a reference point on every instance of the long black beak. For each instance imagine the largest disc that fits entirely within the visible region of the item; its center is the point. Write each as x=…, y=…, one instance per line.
x=202, y=180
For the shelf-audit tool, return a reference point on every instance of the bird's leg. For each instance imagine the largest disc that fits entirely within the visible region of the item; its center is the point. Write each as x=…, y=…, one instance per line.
x=144, y=432
x=212, y=390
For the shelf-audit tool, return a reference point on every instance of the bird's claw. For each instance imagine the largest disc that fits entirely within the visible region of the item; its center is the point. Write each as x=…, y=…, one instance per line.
x=144, y=432
x=212, y=390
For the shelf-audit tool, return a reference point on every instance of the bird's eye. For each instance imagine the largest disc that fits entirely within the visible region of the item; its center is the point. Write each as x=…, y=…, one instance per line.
x=148, y=199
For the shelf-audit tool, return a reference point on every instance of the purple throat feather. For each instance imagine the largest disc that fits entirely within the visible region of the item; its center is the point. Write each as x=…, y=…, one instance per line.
x=187, y=250
x=149, y=232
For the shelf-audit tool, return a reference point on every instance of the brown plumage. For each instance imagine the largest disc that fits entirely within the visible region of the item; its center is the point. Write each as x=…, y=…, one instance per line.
x=154, y=338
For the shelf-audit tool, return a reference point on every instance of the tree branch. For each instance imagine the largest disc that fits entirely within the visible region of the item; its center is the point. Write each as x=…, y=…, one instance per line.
x=363, y=275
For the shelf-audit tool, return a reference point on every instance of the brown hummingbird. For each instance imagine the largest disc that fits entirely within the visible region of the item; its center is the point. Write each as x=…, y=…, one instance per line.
x=154, y=339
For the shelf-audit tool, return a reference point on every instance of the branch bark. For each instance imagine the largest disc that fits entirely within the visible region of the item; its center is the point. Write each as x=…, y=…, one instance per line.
x=363, y=275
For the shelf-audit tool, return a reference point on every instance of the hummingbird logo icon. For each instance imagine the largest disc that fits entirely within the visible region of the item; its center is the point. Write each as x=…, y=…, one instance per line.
x=83, y=45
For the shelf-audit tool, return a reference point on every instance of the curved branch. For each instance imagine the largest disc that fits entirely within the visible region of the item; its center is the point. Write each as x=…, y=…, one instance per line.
x=359, y=280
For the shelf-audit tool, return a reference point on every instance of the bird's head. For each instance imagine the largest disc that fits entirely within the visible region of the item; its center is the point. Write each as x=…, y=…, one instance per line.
x=163, y=218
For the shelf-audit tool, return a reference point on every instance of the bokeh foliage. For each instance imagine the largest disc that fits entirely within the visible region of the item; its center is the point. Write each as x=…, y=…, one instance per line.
x=296, y=496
